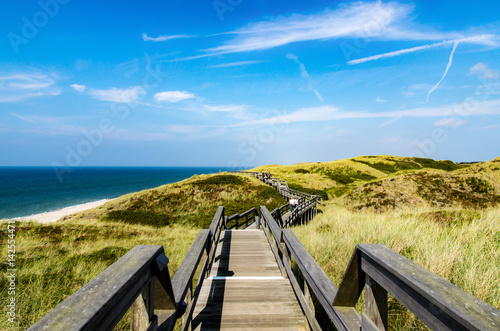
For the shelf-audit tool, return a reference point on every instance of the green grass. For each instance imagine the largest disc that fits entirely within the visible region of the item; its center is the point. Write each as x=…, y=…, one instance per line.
x=298, y=187
x=54, y=261
x=459, y=245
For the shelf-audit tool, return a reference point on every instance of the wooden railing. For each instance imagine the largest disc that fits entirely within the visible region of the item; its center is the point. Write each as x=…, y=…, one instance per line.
x=237, y=221
x=280, y=185
x=379, y=270
x=130, y=282
x=302, y=214
x=140, y=280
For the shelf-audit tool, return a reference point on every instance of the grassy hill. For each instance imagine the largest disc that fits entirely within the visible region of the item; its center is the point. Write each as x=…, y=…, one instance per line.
x=387, y=182
x=55, y=260
x=191, y=202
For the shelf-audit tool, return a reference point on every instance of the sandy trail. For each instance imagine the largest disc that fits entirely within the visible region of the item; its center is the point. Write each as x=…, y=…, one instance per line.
x=53, y=216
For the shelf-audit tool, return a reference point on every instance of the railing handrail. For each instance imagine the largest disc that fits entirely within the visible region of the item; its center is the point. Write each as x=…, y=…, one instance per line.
x=262, y=177
x=237, y=217
x=101, y=303
x=284, y=262
x=436, y=302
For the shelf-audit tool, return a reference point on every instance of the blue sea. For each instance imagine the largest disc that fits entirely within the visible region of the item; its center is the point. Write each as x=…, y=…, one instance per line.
x=31, y=190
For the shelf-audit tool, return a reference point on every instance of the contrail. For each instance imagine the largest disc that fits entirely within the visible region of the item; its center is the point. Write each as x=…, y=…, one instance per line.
x=396, y=53
x=445, y=72
x=485, y=39
x=305, y=74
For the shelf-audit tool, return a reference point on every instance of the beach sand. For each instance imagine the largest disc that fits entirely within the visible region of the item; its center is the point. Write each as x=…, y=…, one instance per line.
x=53, y=216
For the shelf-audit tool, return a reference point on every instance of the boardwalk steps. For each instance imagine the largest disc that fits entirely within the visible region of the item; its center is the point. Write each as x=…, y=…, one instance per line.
x=245, y=288
x=245, y=281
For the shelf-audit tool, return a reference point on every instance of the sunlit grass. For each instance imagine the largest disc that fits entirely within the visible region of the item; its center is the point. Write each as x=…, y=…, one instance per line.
x=464, y=249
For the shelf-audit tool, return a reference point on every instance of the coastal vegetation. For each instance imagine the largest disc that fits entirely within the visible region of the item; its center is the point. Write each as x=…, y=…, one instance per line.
x=442, y=215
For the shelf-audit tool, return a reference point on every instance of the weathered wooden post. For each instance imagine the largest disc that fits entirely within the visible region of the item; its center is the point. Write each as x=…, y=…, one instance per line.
x=309, y=300
x=142, y=315
x=375, y=315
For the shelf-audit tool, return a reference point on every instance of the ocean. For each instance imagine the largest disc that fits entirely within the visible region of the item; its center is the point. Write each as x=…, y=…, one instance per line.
x=31, y=190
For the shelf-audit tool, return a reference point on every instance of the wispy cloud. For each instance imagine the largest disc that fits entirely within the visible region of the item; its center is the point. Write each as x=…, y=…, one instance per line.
x=236, y=64
x=352, y=20
x=145, y=37
x=132, y=135
x=333, y=113
x=183, y=129
x=483, y=71
x=119, y=95
x=380, y=100
x=226, y=108
x=48, y=125
x=305, y=74
x=21, y=86
x=79, y=88
x=450, y=60
x=368, y=20
x=485, y=39
x=174, y=96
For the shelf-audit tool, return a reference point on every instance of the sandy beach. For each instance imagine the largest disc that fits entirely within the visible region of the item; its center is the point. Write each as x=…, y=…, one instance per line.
x=53, y=216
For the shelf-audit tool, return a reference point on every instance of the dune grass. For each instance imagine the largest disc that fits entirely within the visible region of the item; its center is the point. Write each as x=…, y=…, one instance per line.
x=460, y=245
x=55, y=260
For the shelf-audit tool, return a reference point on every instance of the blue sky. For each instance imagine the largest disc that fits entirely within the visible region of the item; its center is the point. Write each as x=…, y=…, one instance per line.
x=239, y=83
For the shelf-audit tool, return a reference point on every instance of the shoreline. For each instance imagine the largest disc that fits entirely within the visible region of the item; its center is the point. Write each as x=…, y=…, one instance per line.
x=31, y=192
x=54, y=216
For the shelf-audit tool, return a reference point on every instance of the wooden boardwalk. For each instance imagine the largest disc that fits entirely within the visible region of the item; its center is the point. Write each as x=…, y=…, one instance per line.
x=245, y=289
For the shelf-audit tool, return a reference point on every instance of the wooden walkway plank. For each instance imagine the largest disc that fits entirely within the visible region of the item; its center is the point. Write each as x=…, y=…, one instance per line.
x=245, y=289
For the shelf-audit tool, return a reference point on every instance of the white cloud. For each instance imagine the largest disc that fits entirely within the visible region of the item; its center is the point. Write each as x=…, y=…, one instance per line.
x=452, y=122
x=226, y=108
x=145, y=37
x=305, y=74
x=132, y=135
x=380, y=100
x=353, y=20
x=174, y=96
x=114, y=94
x=332, y=113
x=79, y=88
x=235, y=64
x=21, y=86
x=369, y=20
x=483, y=71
